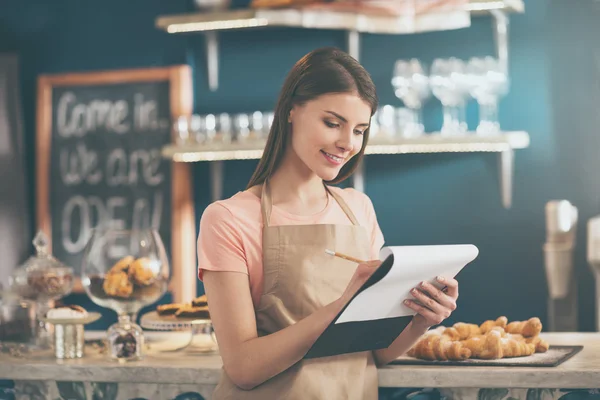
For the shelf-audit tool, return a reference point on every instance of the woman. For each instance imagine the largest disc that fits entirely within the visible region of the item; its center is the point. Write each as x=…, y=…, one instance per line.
x=272, y=288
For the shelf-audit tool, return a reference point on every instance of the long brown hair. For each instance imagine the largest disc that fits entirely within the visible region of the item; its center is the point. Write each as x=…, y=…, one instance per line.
x=322, y=71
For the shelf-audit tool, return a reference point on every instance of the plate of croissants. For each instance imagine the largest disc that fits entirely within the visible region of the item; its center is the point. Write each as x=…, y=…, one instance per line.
x=494, y=342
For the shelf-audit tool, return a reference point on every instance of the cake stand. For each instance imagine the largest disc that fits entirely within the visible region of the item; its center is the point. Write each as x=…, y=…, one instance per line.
x=69, y=334
x=197, y=334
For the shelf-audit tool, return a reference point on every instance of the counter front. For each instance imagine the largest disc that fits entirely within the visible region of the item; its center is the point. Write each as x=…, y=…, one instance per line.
x=188, y=375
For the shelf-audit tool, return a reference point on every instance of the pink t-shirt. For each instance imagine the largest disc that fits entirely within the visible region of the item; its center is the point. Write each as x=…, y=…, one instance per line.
x=230, y=236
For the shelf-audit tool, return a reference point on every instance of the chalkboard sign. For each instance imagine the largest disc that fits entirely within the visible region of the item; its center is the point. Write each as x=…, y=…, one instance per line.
x=100, y=137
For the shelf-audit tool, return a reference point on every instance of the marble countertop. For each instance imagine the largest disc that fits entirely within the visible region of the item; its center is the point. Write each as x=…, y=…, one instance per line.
x=187, y=367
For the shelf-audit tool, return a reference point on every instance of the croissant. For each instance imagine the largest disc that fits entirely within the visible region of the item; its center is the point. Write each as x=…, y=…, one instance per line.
x=485, y=347
x=462, y=331
x=436, y=346
x=531, y=327
x=541, y=346
x=490, y=324
x=499, y=331
x=512, y=347
x=493, y=339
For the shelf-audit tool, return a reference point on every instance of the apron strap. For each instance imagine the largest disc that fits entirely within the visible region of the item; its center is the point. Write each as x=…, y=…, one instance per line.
x=266, y=204
x=344, y=206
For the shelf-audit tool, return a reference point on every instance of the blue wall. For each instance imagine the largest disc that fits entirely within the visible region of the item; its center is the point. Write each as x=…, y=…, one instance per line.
x=419, y=199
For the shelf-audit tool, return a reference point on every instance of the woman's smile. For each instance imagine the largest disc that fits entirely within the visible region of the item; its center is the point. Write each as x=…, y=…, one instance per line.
x=333, y=159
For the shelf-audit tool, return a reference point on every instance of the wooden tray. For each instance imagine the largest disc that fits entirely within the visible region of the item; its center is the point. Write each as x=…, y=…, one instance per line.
x=555, y=355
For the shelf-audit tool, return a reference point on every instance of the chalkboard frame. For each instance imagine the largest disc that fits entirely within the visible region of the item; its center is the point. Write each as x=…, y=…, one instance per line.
x=183, y=230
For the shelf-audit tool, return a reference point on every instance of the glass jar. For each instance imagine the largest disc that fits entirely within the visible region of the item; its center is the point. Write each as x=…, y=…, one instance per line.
x=42, y=277
x=18, y=322
x=125, y=270
x=41, y=280
x=125, y=340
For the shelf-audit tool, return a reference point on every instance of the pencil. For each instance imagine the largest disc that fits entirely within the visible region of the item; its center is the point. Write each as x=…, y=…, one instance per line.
x=344, y=256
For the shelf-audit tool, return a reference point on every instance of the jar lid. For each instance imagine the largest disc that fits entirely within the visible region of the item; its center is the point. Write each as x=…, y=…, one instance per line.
x=41, y=276
x=43, y=260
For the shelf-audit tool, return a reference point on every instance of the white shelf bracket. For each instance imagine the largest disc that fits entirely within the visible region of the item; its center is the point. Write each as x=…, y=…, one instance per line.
x=216, y=179
x=358, y=178
x=506, y=166
x=353, y=38
x=506, y=158
x=212, y=59
x=500, y=22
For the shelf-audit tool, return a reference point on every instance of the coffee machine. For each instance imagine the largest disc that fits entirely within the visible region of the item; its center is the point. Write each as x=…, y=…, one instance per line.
x=561, y=227
x=593, y=259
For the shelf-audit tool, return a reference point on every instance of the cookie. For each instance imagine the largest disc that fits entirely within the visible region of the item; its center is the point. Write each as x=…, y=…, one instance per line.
x=117, y=284
x=66, y=312
x=200, y=301
x=76, y=308
x=193, y=312
x=140, y=272
x=168, y=309
x=122, y=265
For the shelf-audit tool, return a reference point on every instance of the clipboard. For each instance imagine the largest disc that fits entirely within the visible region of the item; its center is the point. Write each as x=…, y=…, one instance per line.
x=367, y=322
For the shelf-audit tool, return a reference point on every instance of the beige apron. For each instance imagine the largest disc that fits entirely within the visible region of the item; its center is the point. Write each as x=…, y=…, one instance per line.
x=299, y=278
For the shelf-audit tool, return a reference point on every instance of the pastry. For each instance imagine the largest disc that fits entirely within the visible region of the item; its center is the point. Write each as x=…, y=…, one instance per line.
x=541, y=346
x=67, y=312
x=462, y=331
x=200, y=301
x=492, y=340
x=485, y=347
x=76, y=308
x=512, y=347
x=124, y=274
x=439, y=347
x=189, y=311
x=168, y=309
x=121, y=265
x=140, y=272
x=490, y=324
x=531, y=327
x=117, y=284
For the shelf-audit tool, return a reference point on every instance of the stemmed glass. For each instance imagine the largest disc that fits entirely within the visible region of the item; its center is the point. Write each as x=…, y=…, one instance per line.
x=411, y=85
x=449, y=84
x=125, y=270
x=489, y=83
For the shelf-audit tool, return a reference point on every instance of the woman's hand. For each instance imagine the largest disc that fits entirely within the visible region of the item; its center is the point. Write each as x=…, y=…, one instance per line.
x=437, y=305
x=361, y=275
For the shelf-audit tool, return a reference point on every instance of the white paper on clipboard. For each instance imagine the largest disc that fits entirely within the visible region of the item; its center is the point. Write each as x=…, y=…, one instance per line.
x=412, y=265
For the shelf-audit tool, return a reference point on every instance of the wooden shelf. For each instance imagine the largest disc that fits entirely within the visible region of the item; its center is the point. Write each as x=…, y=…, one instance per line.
x=504, y=145
x=431, y=143
x=479, y=7
x=315, y=18
x=210, y=23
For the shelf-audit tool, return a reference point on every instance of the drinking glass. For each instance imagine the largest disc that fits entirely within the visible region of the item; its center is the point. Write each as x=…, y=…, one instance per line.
x=489, y=82
x=449, y=84
x=411, y=85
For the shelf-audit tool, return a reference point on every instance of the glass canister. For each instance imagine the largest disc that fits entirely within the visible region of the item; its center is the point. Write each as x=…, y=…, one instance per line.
x=17, y=320
x=42, y=279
